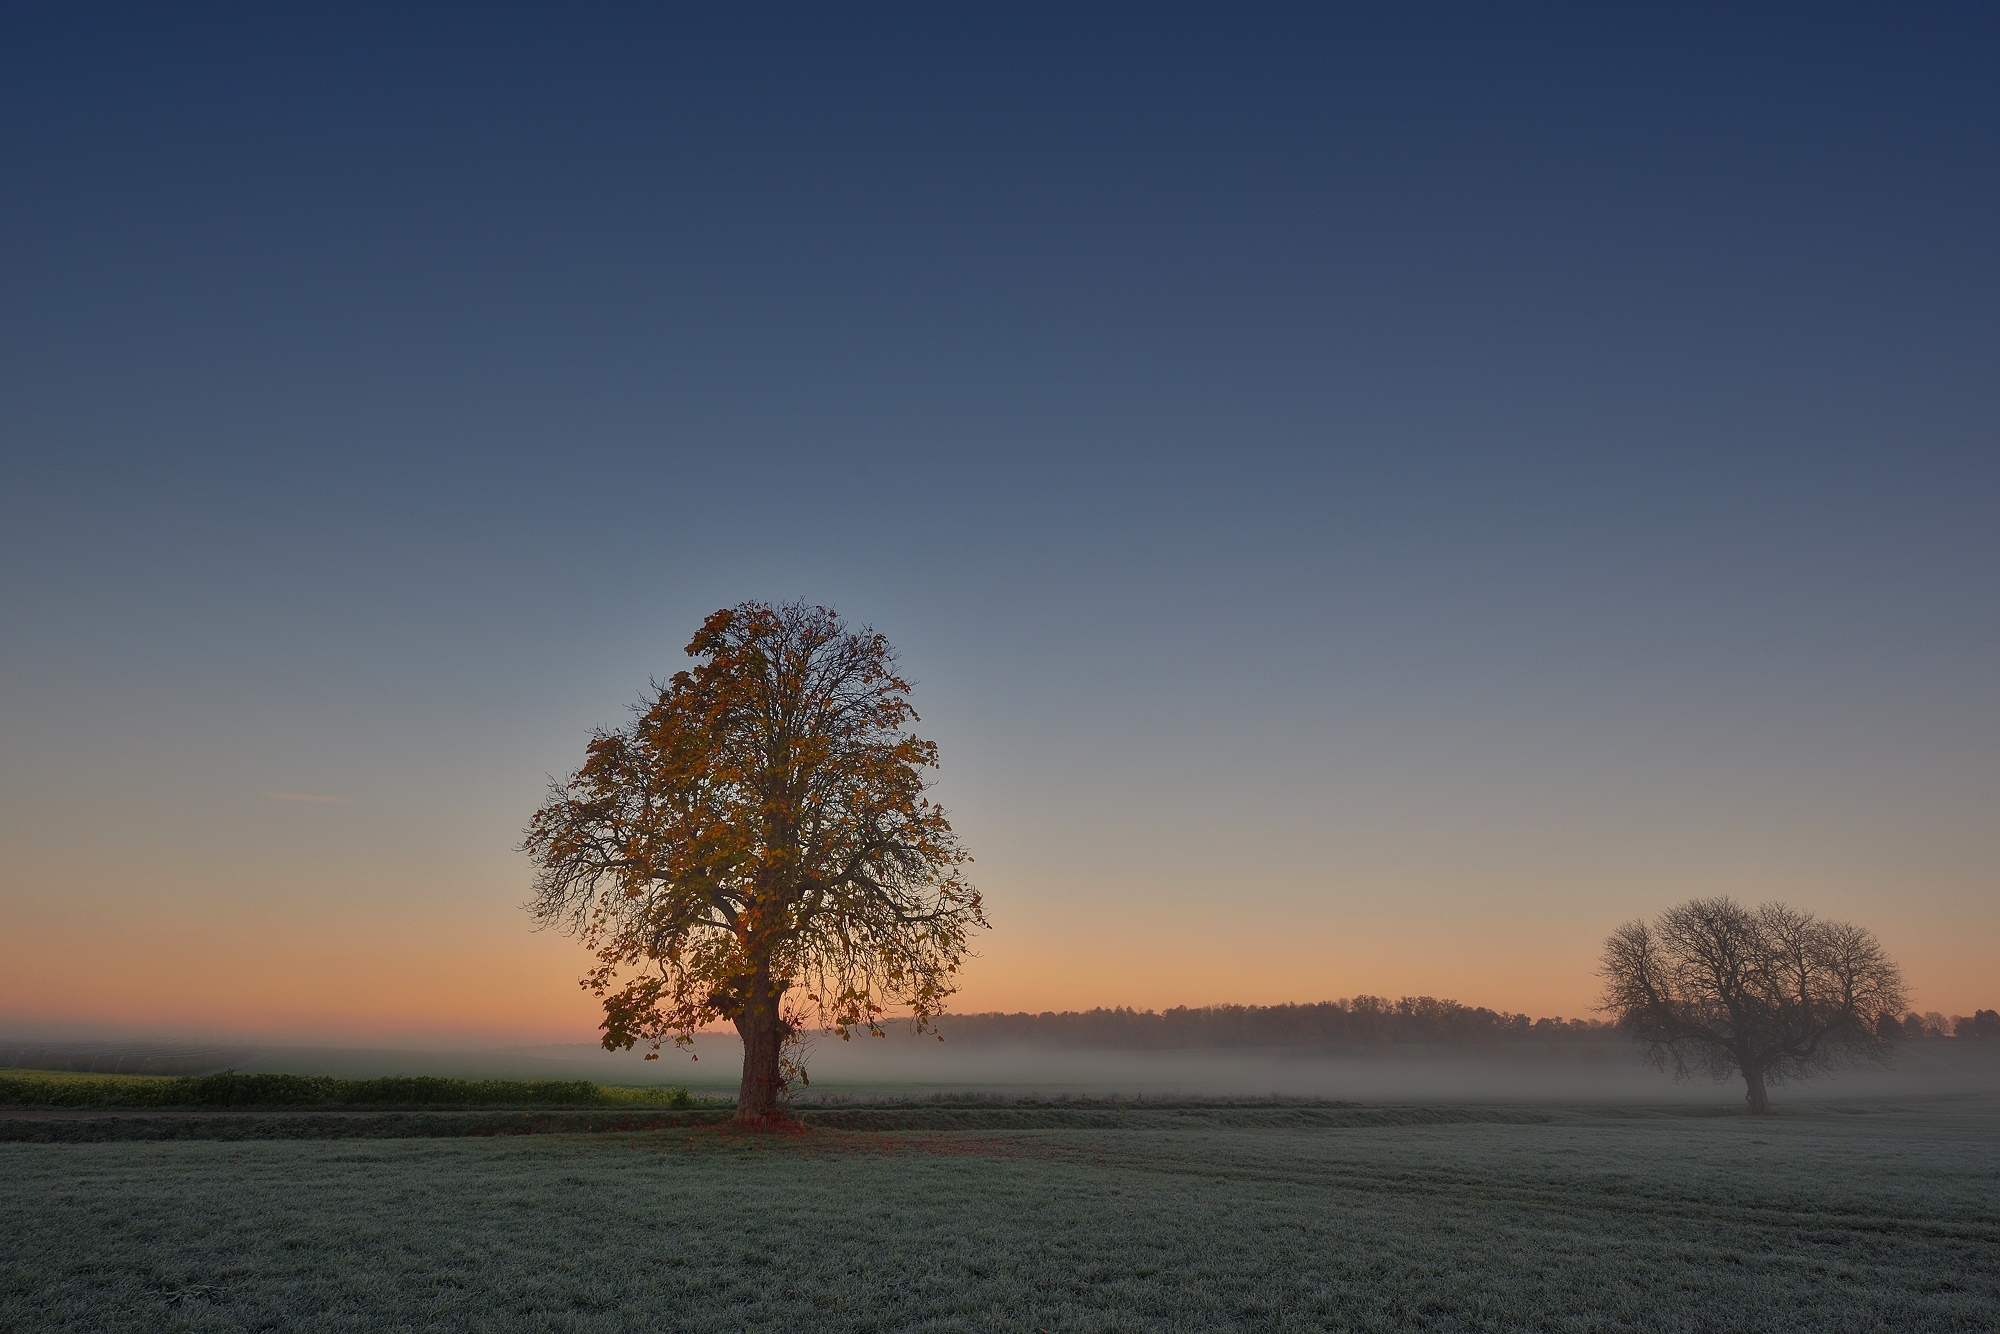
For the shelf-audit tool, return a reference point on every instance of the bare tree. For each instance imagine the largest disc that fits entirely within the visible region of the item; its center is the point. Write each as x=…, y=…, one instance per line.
x=757, y=847
x=1770, y=994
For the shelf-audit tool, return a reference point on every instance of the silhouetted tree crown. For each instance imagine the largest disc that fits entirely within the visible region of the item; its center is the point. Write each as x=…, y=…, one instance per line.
x=757, y=847
x=1770, y=994
x=1979, y=1024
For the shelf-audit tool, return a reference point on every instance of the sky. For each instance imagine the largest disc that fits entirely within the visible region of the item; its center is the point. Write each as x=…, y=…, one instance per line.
x=1370, y=498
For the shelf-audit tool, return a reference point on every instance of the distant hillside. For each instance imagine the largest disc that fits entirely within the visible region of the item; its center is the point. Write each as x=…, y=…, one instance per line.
x=1362, y=1021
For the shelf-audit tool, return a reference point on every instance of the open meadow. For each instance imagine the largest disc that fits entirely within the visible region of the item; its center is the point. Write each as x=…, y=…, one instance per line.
x=985, y=1215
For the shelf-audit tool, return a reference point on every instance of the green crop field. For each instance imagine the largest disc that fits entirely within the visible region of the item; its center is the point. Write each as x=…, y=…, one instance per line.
x=1858, y=1218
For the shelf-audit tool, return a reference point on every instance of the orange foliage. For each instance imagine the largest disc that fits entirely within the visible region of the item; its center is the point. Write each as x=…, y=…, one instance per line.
x=757, y=847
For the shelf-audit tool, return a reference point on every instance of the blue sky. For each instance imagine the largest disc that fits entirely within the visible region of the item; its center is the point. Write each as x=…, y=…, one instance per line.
x=1371, y=501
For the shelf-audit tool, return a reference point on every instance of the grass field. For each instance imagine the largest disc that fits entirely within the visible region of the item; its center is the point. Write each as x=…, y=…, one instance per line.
x=1861, y=1218
x=228, y=1089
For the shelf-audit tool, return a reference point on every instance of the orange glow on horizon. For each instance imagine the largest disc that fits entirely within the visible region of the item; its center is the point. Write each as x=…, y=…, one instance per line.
x=501, y=983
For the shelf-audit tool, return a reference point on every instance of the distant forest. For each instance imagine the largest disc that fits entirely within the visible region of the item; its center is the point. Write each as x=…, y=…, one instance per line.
x=1362, y=1021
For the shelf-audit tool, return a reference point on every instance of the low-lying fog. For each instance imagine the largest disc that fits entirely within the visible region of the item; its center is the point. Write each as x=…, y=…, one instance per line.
x=1525, y=1073
x=899, y=1063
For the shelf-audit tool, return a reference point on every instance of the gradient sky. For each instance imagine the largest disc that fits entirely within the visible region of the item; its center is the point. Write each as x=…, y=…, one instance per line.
x=1370, y=501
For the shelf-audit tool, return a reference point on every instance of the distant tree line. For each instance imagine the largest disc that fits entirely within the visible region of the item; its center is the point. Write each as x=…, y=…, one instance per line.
x=1931, y=1024
x=1362, y=1021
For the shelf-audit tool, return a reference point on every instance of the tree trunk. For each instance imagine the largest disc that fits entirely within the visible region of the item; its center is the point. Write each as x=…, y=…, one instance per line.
x=1760, y=1101
x=763, y=1033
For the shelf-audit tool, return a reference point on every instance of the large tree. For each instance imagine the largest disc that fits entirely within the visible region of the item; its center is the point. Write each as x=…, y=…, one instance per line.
x=1770, y=994
x=757, y=847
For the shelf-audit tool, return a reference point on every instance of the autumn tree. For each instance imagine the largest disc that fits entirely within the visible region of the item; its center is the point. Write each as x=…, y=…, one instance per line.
x=757, y=847
x=1769, y=994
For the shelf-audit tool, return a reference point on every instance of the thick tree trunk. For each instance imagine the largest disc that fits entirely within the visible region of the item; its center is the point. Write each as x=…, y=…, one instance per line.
x=1760, y=1101
x=763, y=1033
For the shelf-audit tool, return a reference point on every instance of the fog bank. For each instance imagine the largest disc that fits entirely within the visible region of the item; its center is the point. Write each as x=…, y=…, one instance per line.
x=901, y=1064
x=1610, y=1073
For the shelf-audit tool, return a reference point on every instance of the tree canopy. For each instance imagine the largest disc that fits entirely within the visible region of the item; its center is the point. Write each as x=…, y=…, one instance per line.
x=757, y=847
x=1772, y=994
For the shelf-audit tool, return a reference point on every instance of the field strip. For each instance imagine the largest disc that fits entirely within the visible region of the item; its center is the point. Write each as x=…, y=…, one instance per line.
x=1618, y=1198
